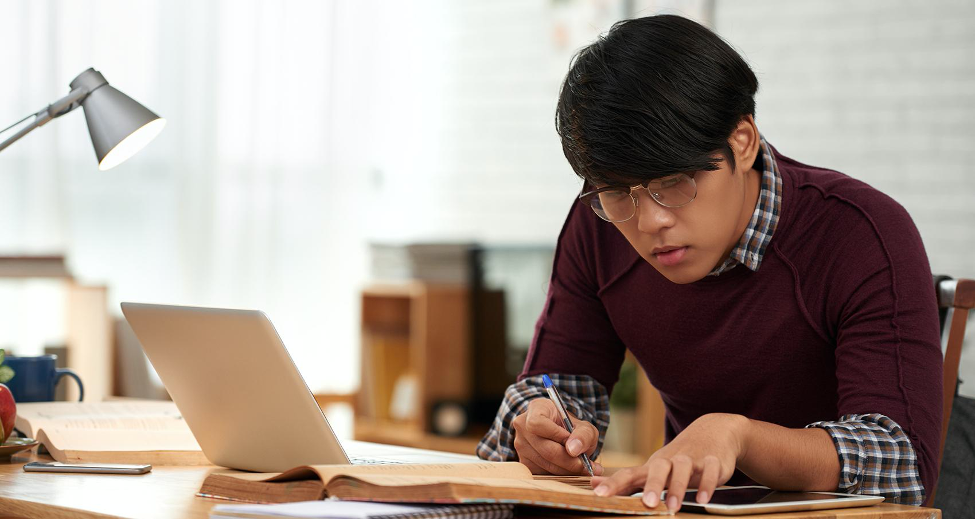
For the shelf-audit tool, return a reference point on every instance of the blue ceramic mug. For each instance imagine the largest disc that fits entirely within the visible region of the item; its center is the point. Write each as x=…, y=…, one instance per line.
x=35, y=378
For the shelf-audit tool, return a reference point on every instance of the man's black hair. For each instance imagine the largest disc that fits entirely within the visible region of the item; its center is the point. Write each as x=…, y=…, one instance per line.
x=656, y=96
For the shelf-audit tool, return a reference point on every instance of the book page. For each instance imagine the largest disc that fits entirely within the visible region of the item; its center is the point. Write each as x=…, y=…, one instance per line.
x=546, y=486
x=580, y=481
x=115, y=440
x=162, y=448
x=133, y=415
x=511, y=470
x=263, y=477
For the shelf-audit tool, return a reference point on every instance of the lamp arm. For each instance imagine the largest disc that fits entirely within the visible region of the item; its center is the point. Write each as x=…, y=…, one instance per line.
x=56, y=109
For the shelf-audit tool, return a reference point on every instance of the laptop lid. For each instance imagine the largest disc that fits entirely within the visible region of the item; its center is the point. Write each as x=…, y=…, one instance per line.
x=235, y=384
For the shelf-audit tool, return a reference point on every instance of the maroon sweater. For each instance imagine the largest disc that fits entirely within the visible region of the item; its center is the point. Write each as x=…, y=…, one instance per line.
x=840, y=318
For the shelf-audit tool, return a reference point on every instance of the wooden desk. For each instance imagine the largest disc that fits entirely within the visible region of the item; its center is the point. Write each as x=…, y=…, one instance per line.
x=169, y=492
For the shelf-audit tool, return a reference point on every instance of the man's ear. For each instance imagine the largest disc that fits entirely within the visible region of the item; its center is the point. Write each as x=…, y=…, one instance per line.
x=745, y=143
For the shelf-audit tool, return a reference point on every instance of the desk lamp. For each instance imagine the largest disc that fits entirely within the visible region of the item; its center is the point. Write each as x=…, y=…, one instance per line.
x=119, y=126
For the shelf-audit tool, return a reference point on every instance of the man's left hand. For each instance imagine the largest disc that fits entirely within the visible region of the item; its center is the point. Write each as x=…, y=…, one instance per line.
x=703, y=456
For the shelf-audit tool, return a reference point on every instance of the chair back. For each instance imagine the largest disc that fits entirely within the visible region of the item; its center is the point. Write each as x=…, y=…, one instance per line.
x=955, y=298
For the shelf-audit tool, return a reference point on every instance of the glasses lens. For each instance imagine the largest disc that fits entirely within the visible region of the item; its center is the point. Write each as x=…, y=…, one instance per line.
x=613, y=205
x=673, y=191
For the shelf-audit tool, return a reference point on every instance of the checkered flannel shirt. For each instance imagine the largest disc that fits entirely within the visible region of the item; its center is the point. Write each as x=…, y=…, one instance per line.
x=875, y=454
x=749, y=250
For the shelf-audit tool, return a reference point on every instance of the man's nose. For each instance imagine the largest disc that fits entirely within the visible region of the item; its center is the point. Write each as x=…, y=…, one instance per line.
x=652, y=216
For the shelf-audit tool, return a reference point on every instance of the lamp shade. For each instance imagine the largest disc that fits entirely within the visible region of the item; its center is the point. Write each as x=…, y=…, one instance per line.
x=119, y=126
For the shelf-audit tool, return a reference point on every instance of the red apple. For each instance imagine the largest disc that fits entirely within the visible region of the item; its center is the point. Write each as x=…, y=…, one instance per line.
x=8, y=412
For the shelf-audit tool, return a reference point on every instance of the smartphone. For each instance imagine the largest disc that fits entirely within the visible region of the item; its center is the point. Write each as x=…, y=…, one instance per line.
x=91, y=467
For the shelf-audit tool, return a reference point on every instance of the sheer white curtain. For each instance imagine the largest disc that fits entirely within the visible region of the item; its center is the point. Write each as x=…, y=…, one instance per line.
x=256, y=193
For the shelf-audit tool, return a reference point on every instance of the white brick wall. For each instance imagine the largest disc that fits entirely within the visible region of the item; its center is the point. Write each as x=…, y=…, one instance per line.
x=882, y=91
x=478, y=111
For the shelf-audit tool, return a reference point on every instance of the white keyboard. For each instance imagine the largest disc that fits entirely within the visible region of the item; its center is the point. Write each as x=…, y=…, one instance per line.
x=367, y=461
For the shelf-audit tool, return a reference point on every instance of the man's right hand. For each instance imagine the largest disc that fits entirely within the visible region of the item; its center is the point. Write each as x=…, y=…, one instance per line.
x=545, y=446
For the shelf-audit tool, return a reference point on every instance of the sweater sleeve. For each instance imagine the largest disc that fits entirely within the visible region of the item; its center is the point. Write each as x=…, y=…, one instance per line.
x=574, y=334
x=888, y=356
x=574, y=338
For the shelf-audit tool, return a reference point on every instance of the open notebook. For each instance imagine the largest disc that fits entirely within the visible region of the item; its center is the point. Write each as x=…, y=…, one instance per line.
x=120, y=432
x=348, y=509
x=479, y=483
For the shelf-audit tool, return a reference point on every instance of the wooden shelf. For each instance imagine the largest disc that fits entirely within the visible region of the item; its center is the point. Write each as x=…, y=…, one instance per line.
x=618, y=459
x=89, y=335
x=416, y=351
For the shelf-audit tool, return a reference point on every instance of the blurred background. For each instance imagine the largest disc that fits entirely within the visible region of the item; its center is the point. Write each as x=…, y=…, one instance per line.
x=321, y=157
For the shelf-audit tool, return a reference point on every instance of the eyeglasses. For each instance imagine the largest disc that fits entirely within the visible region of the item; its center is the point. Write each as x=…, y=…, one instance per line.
x=615, y=204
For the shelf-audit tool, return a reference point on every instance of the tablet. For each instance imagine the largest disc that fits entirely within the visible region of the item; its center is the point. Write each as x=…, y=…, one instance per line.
x=755, y=500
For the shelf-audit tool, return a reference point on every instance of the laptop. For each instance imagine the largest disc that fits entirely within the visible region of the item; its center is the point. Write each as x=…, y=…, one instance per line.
x=246, y=403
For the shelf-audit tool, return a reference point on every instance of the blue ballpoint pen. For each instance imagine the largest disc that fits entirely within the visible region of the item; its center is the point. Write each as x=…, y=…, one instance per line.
x=554, y=394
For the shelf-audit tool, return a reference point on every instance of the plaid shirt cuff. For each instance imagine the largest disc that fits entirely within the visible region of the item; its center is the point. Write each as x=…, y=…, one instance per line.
x=876, y=458
x=584, y=397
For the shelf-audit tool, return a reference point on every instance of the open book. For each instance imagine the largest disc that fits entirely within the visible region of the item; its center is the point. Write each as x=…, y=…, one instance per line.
x=475, y=483
x=120, y=432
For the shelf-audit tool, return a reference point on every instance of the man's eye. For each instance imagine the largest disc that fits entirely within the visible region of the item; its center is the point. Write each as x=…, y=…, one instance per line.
x=668, y=182
x=614, y=195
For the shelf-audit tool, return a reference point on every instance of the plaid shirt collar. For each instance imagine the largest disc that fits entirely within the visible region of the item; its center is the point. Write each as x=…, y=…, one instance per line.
x=749, y=251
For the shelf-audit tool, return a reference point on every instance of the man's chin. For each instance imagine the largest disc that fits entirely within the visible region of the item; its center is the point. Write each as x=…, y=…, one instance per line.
x=679, y=274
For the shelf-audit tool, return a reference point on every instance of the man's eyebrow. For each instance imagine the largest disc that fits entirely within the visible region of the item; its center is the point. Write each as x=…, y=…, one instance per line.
x=621, y=184
x=626, y=185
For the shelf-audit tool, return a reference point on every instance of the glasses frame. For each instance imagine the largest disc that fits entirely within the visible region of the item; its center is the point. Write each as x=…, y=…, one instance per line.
x=588, y=197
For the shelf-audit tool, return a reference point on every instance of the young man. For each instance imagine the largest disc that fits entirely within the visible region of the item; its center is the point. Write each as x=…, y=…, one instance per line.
x=785, y=312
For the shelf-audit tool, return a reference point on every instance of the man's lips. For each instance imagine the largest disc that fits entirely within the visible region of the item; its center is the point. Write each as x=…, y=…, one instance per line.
x=665, y=249
x=670, y=255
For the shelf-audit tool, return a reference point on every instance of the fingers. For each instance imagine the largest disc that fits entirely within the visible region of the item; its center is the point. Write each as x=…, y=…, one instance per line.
x=542, y=440
x=550, y=459
x=539, y=441
x=543, y=406
x=583, y=439
x=623, y=482
x=655, y=479
x=676, y=472
x=678, y=483
x=709, y=479
x=543, y=426
x=698, y=457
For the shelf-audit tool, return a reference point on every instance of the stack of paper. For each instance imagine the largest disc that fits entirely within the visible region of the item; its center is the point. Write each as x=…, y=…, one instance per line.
x=435, y=262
